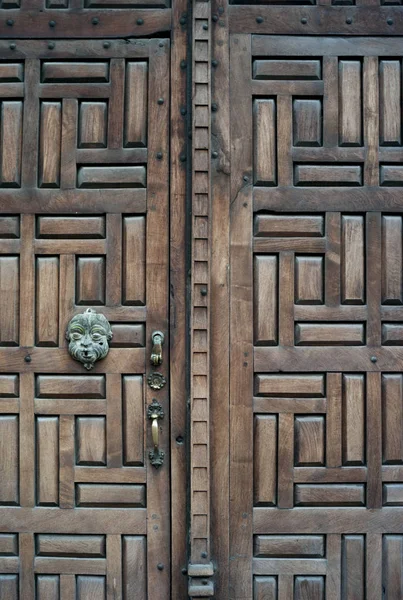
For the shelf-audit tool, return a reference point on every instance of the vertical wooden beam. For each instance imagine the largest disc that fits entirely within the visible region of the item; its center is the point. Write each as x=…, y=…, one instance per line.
x=27, y=554
x=373, y=556
x=371, y=120
x=114, y=567
x=157, y=290
x=241, y=319
x=333, y=554
x=374, y=441
x=219, y=298
x=178, y=308
x=31, y=114
x=27, y=440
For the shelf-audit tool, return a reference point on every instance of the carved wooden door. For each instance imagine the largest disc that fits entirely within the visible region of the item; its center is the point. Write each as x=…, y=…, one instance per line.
x=84, y=224
x=316, y=480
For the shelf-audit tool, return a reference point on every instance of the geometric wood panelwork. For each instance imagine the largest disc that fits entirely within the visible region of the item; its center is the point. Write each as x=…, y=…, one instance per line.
x=83, y=224
x=317, y=288
x=74, y=566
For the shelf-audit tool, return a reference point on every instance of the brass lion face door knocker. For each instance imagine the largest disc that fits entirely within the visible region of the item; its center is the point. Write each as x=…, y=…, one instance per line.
x=89, y=334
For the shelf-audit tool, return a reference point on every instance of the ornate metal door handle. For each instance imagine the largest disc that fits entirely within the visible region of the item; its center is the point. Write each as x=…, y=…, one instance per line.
x=157, y=338
x=154, y=413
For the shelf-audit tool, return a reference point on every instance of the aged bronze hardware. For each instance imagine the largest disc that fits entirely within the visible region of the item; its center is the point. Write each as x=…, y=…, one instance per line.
x=89, y=334
x=154, y=413
x=157, y=338
x=156, y=381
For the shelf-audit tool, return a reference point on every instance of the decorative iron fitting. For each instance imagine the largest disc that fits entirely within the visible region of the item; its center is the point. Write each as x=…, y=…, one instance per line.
x=156, y=381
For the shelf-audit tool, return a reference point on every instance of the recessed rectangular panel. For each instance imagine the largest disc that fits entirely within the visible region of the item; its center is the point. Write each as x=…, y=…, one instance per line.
x=264, y=142
x=265, y=460
x=74, y=386
x=134, y=561
x=307, y=122
x=10, y=4
x=89, y=587
x=91, y=441
x=9, y=587
x=77, y=546
x=47, y=460
x=353, y=259
x=311, y=587
x=127, y=335
x=90, y=280
x=289, y=546
x=50, y=144
x=136, y=104
x=11, y=143
x=75, y=72
x=201, y=138
x=265, y=300
x=9, y=386
x=392, y=573
x=133, y=420
x=328, y=175
x=47, y=301
x=353, y=567
x=264, y=588
x=9, y=300
x=392, y=334
x=289, y=225
x=9, y=227
x=309, y=273
x=290, y=385
x=9, y=443
x=111, y=177
x=309, y=441
x=112, y=495
x=287, y=69
x=47, y=587
x=92, y=126
x=11, y=72
x=126, y=3
x=350, y=103
x=392, y=266
x=390, y=85
x=353, y=419
x=57, y=3
x=134, y=260
x=392, y=418
x=71, y=227
x=391, y=175
x=393, y=494
x=8, y=544
x=329, y=334
x=330, y=495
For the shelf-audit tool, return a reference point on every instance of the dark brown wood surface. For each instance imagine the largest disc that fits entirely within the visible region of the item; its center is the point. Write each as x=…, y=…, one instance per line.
x=83, y=514
x=291, y=379
x=316, y=484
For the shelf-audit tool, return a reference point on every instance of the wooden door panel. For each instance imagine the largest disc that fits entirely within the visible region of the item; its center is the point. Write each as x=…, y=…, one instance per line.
x=84, y=201
x=316, y=296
